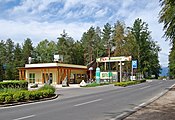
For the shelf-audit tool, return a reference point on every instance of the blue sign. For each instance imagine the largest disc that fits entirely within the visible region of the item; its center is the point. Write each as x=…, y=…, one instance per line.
x=134, y=63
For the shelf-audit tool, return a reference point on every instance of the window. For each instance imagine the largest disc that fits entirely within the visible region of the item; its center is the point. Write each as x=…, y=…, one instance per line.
x=50, y=78
x=32, y=78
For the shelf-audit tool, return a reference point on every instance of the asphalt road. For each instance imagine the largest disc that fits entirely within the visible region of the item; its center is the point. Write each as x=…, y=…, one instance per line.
x=101, y=103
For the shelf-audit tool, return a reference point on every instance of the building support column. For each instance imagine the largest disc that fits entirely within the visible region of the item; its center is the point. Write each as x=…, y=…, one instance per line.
x=61, y=75
x=19, y=74
x=58, y=80
x=68, y=76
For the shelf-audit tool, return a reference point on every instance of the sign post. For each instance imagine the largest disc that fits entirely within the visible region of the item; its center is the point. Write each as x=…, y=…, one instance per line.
x=134, y=65
x=115, y=59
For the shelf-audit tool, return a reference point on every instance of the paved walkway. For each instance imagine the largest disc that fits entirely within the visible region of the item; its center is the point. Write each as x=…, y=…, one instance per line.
x=161, y=109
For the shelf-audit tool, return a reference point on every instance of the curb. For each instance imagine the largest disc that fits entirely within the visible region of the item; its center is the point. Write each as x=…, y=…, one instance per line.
x=126, y=114
x=32, y=101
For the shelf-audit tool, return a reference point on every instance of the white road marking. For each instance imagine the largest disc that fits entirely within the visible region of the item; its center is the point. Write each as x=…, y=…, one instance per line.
x=88, y=102
x=24, y=117
x=144, y=87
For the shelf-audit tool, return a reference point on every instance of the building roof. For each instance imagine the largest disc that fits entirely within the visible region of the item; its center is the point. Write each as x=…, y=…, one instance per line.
x=44, y=65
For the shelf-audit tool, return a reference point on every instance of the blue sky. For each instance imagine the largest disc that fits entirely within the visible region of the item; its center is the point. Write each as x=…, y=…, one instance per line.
x=41, y=19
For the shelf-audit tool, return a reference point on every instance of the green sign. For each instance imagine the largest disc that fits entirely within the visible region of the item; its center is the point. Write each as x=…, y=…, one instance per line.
x=106, y=75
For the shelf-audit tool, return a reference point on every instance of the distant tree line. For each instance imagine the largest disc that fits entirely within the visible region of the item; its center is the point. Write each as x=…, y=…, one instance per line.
x=111, y=40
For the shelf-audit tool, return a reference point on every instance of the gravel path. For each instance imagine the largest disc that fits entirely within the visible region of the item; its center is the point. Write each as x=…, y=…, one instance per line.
x=161, y=109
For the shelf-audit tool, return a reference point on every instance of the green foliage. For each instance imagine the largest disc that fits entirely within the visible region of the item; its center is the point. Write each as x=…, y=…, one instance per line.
x=167, y=17
x=27, y=50
x=44, y=51
x=127, y=83
x=172, y=62
x=65, y=46
x=146, y=50
x=2, y=97
x=94, y=84
x=15, y=84
x=8, y=99
x=119, y=38
x=17, y=95
x=48, y=87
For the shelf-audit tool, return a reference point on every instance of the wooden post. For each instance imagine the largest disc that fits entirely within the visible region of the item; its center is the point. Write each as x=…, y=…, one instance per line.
x=58, y=80
x=68, y=76
x=19, y=74
x=44, y=75
x=23, y=74
x=61, y=75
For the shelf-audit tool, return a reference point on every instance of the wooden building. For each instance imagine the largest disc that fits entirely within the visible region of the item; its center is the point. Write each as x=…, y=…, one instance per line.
x=55, y=73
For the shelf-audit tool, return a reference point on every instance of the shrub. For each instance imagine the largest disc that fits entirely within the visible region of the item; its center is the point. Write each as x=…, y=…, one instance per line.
x=19, y=84
x=27, y=95
x=32, y=95
x=37, y=94
x=8, y=99
x=19, y=96
x=47, y=86
x=105, y=83
x=45, y=93
x=94, y=84
x=2, y=97
x=126, y=83
x=16, y=95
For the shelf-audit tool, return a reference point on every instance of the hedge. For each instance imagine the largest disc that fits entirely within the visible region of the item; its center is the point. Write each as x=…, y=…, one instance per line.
x=15, y=84
x=95, y=84
x=25, y=95
x=127, y=83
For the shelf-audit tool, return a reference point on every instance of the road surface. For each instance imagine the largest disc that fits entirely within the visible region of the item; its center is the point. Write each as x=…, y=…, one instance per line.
x=100, y=103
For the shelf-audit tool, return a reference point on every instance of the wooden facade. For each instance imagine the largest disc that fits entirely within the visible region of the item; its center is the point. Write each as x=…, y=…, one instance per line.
x=55, y=72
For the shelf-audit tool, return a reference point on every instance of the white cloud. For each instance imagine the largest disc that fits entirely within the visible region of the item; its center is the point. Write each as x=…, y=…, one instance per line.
x=101, y=13
x=127, y=3
x=19, y=31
